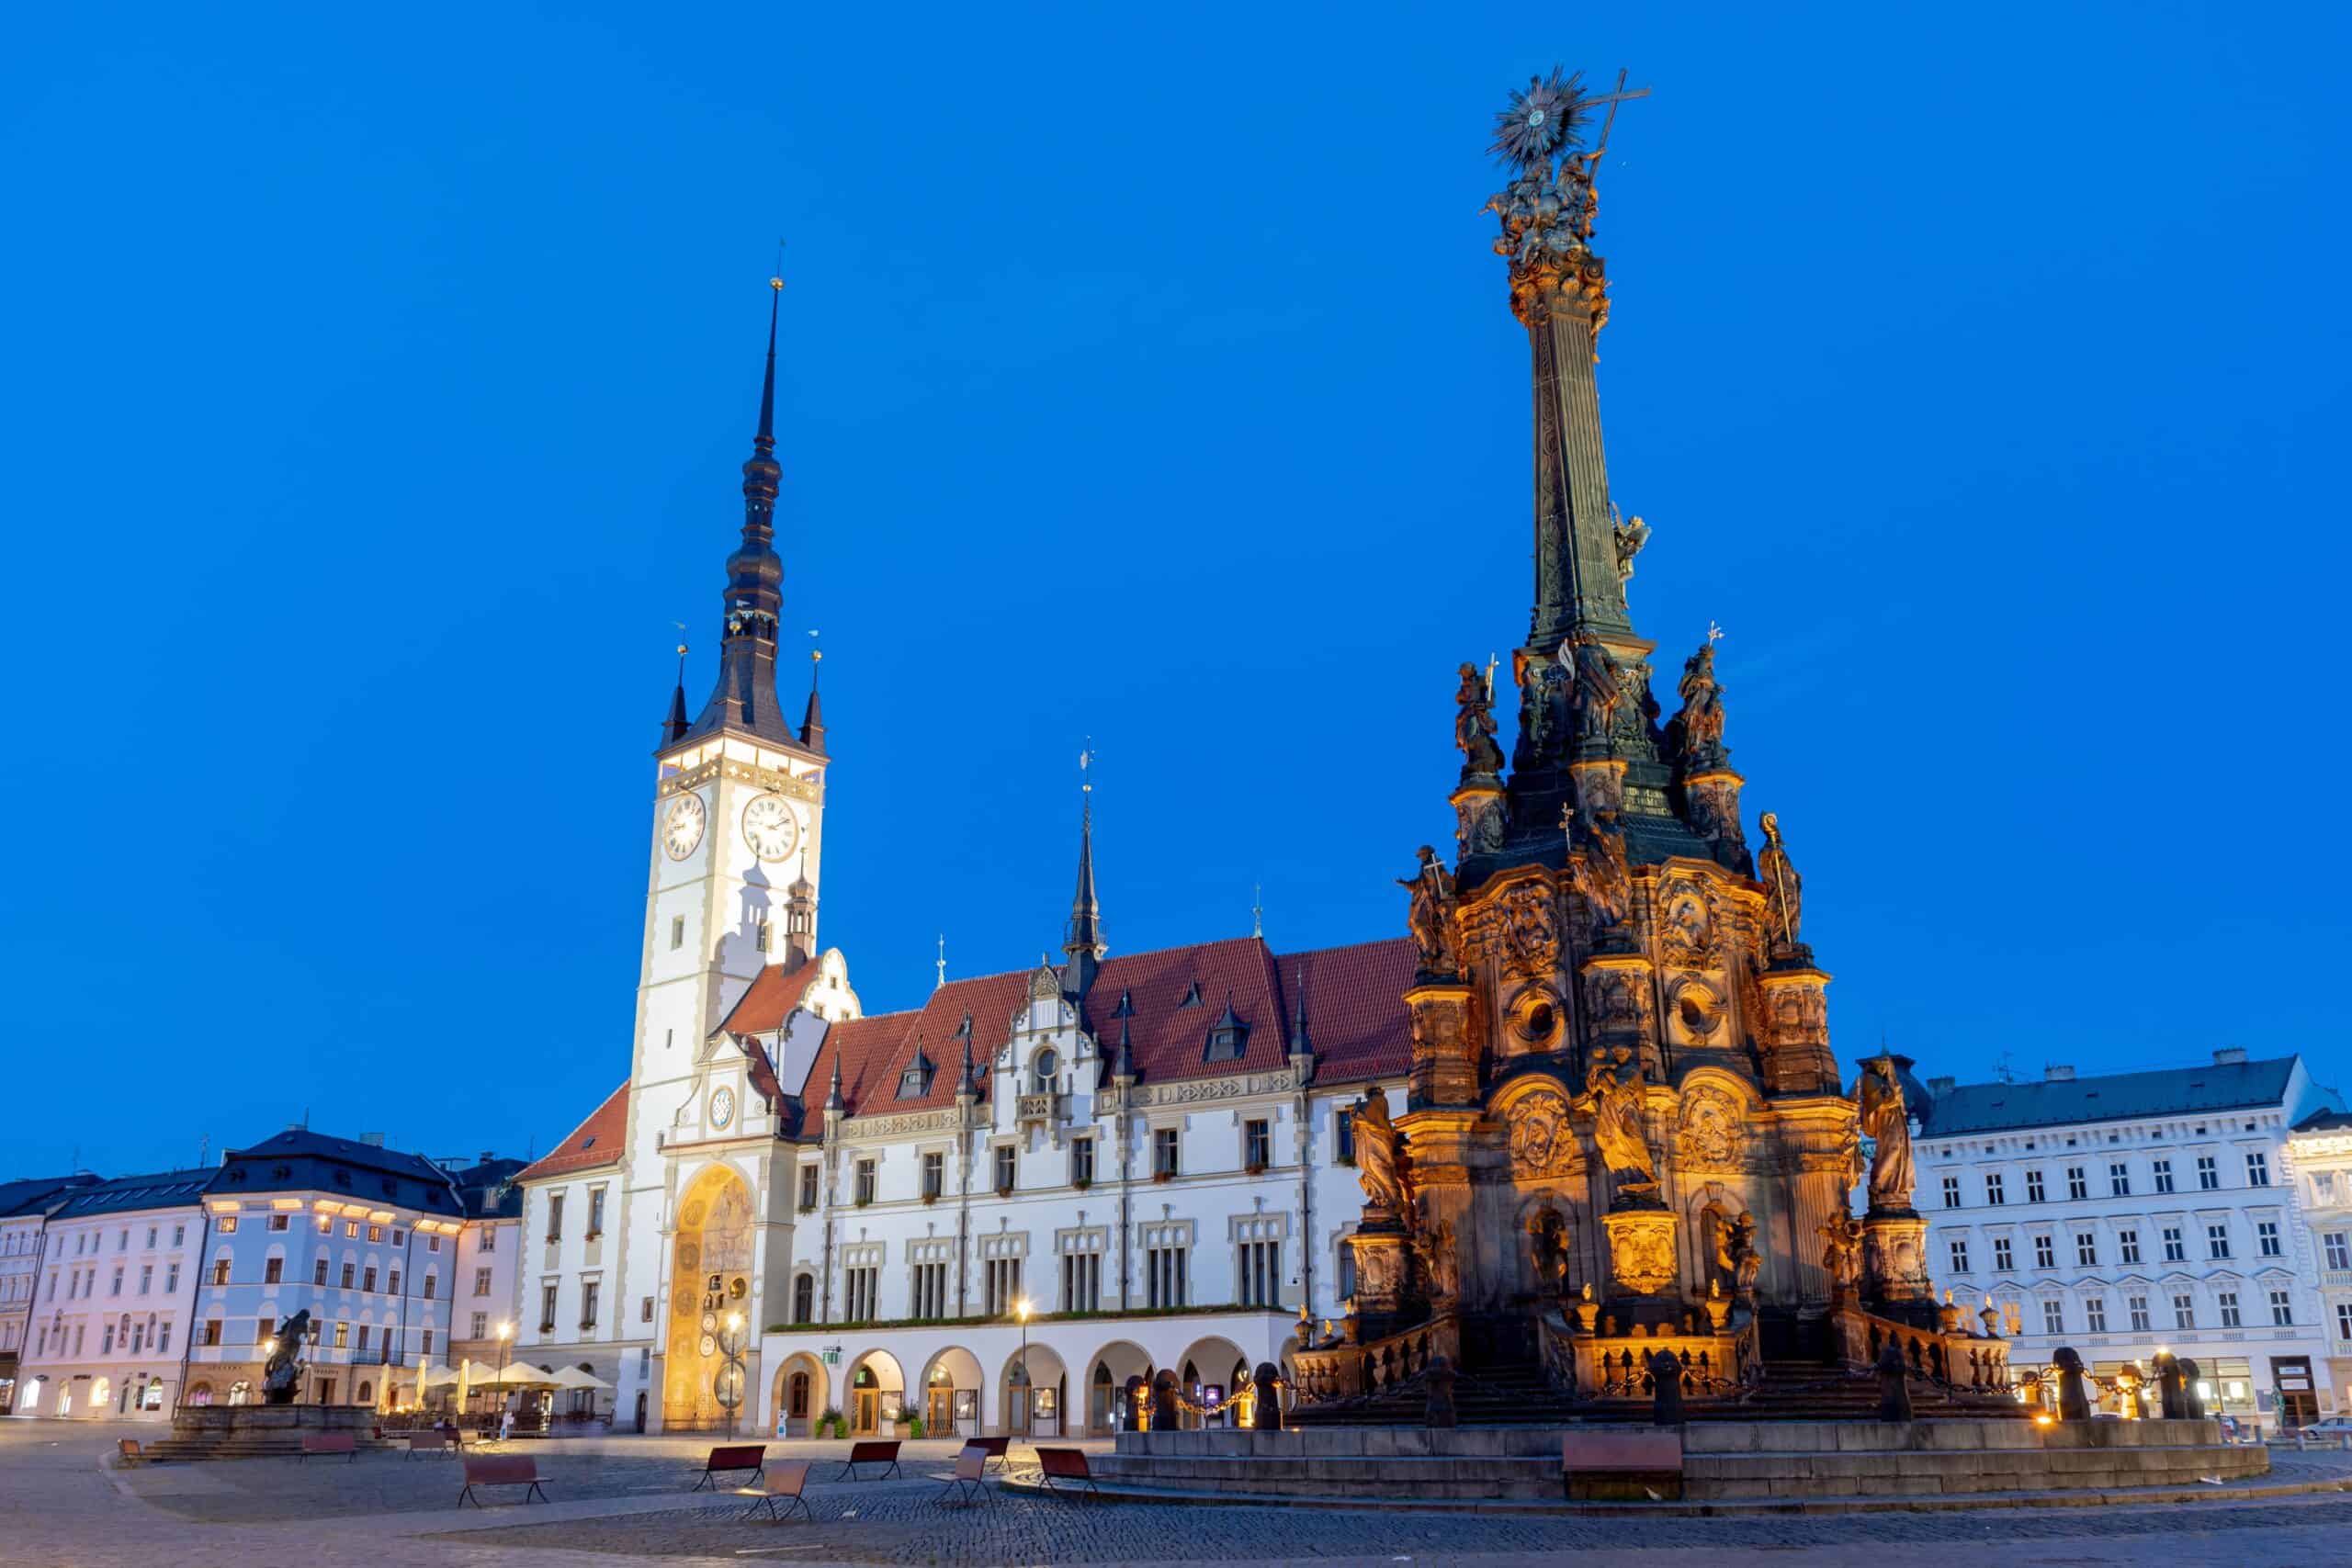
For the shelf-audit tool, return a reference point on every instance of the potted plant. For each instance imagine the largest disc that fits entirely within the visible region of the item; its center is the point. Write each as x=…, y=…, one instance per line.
x=1080, y=1184
x=914, y=1425
x=1163, y=1176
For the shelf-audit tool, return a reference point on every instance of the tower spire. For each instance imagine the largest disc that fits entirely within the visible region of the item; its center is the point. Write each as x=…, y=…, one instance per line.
x=744, y=698
x=812, y=721
x=1083, y=941
x=674, y=728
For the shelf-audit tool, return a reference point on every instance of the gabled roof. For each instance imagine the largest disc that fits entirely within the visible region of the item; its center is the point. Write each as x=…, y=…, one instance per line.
x=125, y=1194
x=773, y=992
x=299, y=1160
x=488, y=1189
x=1970, y=1108
x=599, y=1141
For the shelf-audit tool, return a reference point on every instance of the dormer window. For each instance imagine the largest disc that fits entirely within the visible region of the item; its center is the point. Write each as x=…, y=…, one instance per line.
x=1228, y=1036
x=915, y=1082
x=1192, y=996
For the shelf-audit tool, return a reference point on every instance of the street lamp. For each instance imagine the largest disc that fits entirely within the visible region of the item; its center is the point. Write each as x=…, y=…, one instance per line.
x=1028, y=1399
x=505, y=1333
x=731, y=1390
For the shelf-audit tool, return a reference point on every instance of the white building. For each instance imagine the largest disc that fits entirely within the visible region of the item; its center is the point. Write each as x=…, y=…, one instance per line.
x=118, y=1278
x=484, y=1287
x=1144, y=1149
x=24, y=1208
x=2136, y=1212
x=2320, y=1155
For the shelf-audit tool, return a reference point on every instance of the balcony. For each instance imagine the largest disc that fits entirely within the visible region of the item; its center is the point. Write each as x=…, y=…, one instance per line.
x=1046, y=1108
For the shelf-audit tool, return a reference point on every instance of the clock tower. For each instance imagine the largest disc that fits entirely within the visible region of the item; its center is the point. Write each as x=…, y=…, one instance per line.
x=737, y=830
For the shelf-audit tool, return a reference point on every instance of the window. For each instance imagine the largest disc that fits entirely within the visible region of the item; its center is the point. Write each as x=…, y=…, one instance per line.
x=807, y=1188
x=106, y=1341
x=1952, y=1191
x=2078, y=1182
x=677, y=933
x=804, y=1297
x=115, y=1288
x=376, y=1233
x=399, y=1238
x=2343, y=1320
x=211, y=1331
x=2266, y=1238
x=431, y=1284
x=588, y=1292
x=595, y=1212
x=2053, y=1317
x=1003, y=1281
x=273, y=1269
x=2323, y=1186
x=934, y=1174
x=547, y=1309
x=2095, y=1313
x=2045, y=1253
x=261, y=1331
x=351, y=1230
x=863, y=1290
x=1041, y=1077
x=489, y=1238
x=2119, y=1179
x=147, y=1277
x=865, y=1182
x=2129, y=1243
x=555, y=1216
x=1163, y=1151
x=930, y=1285
x=2283, y=1310
x=1262, y=1273
x=348, y=1270
x=1004, y=1167
x=2137, y=1307
x=342, y=1335
x=424, y=1342
x=163, y=1338
x=319, y=1272
x=2229, y=1304
x=2163, y=1175
x=645, y=1308
x=2217, y=1241
x=432, y=1243
x=2033, y=1193
x=220, y=1271
x=1081, y=1162
x=179, y=1235
x=2184, y=1309
x=1081, y=1282
x=367, y=1278
x=2209, y=1175
x=760, y=936
x=2003, y=1261
x=482, y=1284
x=1343, y=1123
x=1256, y=1143
x=171, y=1279
x=2338, y=1246
x=2086, y=1250
x=1960, y=1257
x=1993, y=1190
x=228, y=1225
x=1164, y=1275
x=2175, y=1250
x=2258, y=1169
x=480, y=1325
x=276, y=1223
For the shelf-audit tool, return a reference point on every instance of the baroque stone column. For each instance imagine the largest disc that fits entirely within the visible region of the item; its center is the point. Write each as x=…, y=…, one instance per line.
x=1445, y=1046
x=1792, y=1035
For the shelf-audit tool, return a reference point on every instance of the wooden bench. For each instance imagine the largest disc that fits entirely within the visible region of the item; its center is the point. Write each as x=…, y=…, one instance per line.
x=733, y=1459
x=993, y=1447
x=345, y=1443
x=786, y=1480
x=1626, y=1465
x=970, y=1476
x=430, y=1442
x=500, y=1470
x=1065, y=1464
x=883, y=1452
x=131, y=1451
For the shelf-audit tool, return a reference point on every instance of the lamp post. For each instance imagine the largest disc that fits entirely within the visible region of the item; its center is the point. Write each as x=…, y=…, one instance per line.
x=732, y=1380
x=505, y=1333
x=1028, y=1399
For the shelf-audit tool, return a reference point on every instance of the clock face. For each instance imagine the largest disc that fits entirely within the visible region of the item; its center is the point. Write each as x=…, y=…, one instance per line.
x=722, y=1107
x=770, y=827
x=682, y=828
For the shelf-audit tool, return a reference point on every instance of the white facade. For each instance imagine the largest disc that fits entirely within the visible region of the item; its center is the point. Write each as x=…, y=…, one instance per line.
x=2124, y=1234
x=118, y=1269
x=2320, y=1157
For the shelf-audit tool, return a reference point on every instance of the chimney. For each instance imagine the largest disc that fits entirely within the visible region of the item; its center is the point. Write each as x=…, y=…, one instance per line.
x=2057, y=1075
x=2229, y=1057
x=1943, y=1086
x=373, y=1140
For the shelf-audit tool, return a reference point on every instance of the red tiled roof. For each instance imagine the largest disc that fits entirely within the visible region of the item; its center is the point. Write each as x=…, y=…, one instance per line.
x=600, y=1140
x=774, y=991
x=1356, y=1019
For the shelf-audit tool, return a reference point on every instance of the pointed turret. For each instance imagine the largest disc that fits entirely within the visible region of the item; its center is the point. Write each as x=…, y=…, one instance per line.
x=834, y=1104
x=1298, y=1043
x=744, y=699
x=812, y=721
x=674, y=728
x=1123, y=1066
x=968, y=1087
x=1083, y=938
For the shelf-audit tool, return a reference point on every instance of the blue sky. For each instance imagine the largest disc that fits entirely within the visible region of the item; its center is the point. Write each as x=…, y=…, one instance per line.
x=380, y=382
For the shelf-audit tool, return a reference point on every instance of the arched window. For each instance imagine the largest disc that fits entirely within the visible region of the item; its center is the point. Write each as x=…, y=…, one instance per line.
x=1041, y=1071
x=100, y=1392
x=367, y=1393
x=804, y=1297
x=797, y=1397
x=201, y=1393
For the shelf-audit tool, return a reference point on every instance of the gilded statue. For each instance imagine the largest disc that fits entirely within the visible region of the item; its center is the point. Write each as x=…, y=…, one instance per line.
x=1473, y=725
x=1783, y=888
x=1617, y=1126
x=1601, y=874
x=1841, y=1254
x=1432, y=913
x=1380, y=1157
x=1735, y=1254
x=1886, y=1121
x=1630, y=537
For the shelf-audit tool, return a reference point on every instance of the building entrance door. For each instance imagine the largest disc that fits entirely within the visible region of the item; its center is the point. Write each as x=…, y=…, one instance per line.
x=867, y=1418
x=2298, y=1401
x=939, y=1418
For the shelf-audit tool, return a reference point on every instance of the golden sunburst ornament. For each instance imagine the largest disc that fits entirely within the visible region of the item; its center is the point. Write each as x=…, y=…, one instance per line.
x=1543, y=120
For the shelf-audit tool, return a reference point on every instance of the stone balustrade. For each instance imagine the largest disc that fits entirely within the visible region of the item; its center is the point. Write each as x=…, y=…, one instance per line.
x=1332, y=1373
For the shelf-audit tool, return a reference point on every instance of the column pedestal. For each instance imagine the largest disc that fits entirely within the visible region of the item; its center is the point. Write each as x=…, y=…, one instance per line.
x=1642, y=1252
x=1445, y=1056
x=1793, y=1033
x=1895, y=1262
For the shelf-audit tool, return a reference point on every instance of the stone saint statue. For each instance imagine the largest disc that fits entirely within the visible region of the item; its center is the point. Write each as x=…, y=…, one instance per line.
x=1630, y=538
x=1601, y=874
x=1746, y=1261
x=1549, y=1248
x=1598, y=690
x=1617, y=1127
x=1473, y=725
x=1700, y=724
x=1379, y=1164
x=282, y=1373
x=1886, y=1121
x=1841, y=1254
x=1431, y=915
x=1783, y=888
x=1434, y=1246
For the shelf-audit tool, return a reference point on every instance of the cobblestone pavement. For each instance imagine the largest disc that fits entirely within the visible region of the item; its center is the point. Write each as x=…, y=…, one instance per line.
x=61, y=1504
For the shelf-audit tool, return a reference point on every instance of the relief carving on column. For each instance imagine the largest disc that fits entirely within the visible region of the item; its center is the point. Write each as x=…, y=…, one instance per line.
x=1530, y=931
x=1713, y=1135
x=1542, y=1142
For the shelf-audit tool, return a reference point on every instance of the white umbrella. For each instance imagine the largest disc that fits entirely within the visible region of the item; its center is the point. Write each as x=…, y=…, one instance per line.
x=572, y=1377
x=517, y=1375
x=437, y=1377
